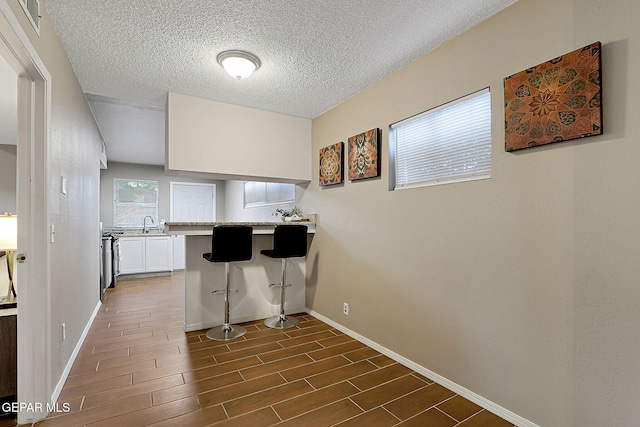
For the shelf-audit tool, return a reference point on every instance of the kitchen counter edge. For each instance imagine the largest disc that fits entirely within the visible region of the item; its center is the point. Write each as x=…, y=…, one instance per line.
x=206, y=228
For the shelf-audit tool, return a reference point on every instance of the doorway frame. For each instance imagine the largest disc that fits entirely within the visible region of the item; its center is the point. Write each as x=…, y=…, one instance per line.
x=202, y=184
x=172, y=184
x=34, y=286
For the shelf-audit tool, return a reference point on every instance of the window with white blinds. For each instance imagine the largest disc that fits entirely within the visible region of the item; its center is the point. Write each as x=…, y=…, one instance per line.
x=267, y=193
x=450, y=143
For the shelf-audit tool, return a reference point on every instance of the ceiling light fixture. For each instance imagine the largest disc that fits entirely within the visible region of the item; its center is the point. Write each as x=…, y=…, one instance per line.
x=238, y=64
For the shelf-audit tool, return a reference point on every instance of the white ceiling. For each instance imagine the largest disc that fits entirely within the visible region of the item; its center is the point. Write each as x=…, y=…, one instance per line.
x=314, y=54
x=133, y=132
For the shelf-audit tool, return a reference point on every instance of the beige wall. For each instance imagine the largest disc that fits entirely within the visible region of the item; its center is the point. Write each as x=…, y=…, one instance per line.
x=236, y=142
x=74, y=152
x=522, y=288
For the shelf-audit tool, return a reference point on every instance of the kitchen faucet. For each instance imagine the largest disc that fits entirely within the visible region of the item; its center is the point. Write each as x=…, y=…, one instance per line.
x=144, y=224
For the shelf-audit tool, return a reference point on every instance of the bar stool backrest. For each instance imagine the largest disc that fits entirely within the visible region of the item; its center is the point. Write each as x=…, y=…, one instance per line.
x=290, y=241
x=231, y=243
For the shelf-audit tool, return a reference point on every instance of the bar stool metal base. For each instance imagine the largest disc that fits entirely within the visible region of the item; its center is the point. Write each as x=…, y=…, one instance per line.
x=281, y=322
x=225, y=332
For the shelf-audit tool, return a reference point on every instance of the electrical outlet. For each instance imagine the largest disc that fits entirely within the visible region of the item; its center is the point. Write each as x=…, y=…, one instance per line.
x=345, y=309
x=64, y=331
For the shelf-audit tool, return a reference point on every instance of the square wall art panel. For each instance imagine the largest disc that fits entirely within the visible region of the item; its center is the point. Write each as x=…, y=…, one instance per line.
x=364, y=155
x=331, y=164
x=555, y=101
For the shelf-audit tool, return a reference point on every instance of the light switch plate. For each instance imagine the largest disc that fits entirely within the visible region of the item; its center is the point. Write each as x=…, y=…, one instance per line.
x=63, y=185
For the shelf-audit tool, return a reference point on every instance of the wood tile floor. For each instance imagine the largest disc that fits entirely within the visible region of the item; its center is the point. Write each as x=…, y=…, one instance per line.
x=137, y=367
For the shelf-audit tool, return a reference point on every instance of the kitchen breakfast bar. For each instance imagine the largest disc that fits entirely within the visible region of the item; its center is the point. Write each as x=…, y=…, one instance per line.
x=254, y=298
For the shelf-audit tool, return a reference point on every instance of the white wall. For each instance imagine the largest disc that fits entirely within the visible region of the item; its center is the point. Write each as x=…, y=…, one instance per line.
x=154, y=173
x=522, y=288
x=236, y=142
x=8, y=104
x=8, y=178
x=229, y=203
x=8, y=136
x=234, y=205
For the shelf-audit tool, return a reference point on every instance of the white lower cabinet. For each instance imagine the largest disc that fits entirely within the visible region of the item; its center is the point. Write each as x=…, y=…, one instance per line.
x=158, y=254
x=147, y=254
x=132, y=255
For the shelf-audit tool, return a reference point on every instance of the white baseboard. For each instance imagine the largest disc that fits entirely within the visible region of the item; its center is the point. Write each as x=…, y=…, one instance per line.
x=72, y=359
x=456, y=388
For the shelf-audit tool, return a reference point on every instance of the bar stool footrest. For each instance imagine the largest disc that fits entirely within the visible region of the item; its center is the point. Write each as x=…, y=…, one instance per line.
x=278, y=285
x=222, y=291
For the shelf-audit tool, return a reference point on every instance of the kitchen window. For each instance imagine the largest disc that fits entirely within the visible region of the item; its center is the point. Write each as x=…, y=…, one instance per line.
x=449, y=143
x=268, y=193
x=133, y=200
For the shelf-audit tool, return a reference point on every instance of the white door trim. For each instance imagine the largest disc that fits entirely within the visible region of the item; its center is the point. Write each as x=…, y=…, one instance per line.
x=178, y=242
x=172, y=183
x=34, y=127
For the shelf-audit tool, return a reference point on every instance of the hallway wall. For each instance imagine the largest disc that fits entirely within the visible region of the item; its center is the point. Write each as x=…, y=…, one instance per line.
x=522, y=288
x=74, y=153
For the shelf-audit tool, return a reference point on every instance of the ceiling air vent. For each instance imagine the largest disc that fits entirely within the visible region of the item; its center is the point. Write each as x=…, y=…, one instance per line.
x=32, y=9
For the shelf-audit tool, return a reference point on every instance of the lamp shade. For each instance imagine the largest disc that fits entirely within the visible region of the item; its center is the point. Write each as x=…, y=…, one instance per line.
x=238, y=64
x=8, y=232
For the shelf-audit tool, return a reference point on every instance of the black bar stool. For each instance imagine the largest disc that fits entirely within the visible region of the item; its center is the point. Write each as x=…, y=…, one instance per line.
x=289, y=241
x=229, y=243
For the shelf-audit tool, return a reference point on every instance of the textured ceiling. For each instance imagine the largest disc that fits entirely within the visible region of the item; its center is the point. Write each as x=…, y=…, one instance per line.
x=314, y=54
x=133, y=132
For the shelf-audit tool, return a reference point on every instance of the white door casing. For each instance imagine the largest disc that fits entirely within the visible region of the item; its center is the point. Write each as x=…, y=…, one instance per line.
x=34, y=118
x=190, y=202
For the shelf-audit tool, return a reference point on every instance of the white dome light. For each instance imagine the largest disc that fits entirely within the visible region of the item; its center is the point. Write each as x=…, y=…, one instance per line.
x=238, y=64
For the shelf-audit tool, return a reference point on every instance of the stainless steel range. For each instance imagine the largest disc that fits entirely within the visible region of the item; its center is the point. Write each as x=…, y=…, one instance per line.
x=111, y=260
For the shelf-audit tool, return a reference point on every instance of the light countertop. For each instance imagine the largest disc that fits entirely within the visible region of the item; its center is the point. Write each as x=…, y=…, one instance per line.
x=206, y=228
x=136, y=233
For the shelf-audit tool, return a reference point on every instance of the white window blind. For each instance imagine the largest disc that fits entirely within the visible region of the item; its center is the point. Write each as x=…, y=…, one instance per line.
x=450, y=143
x=133, y=200
x=267, y=193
